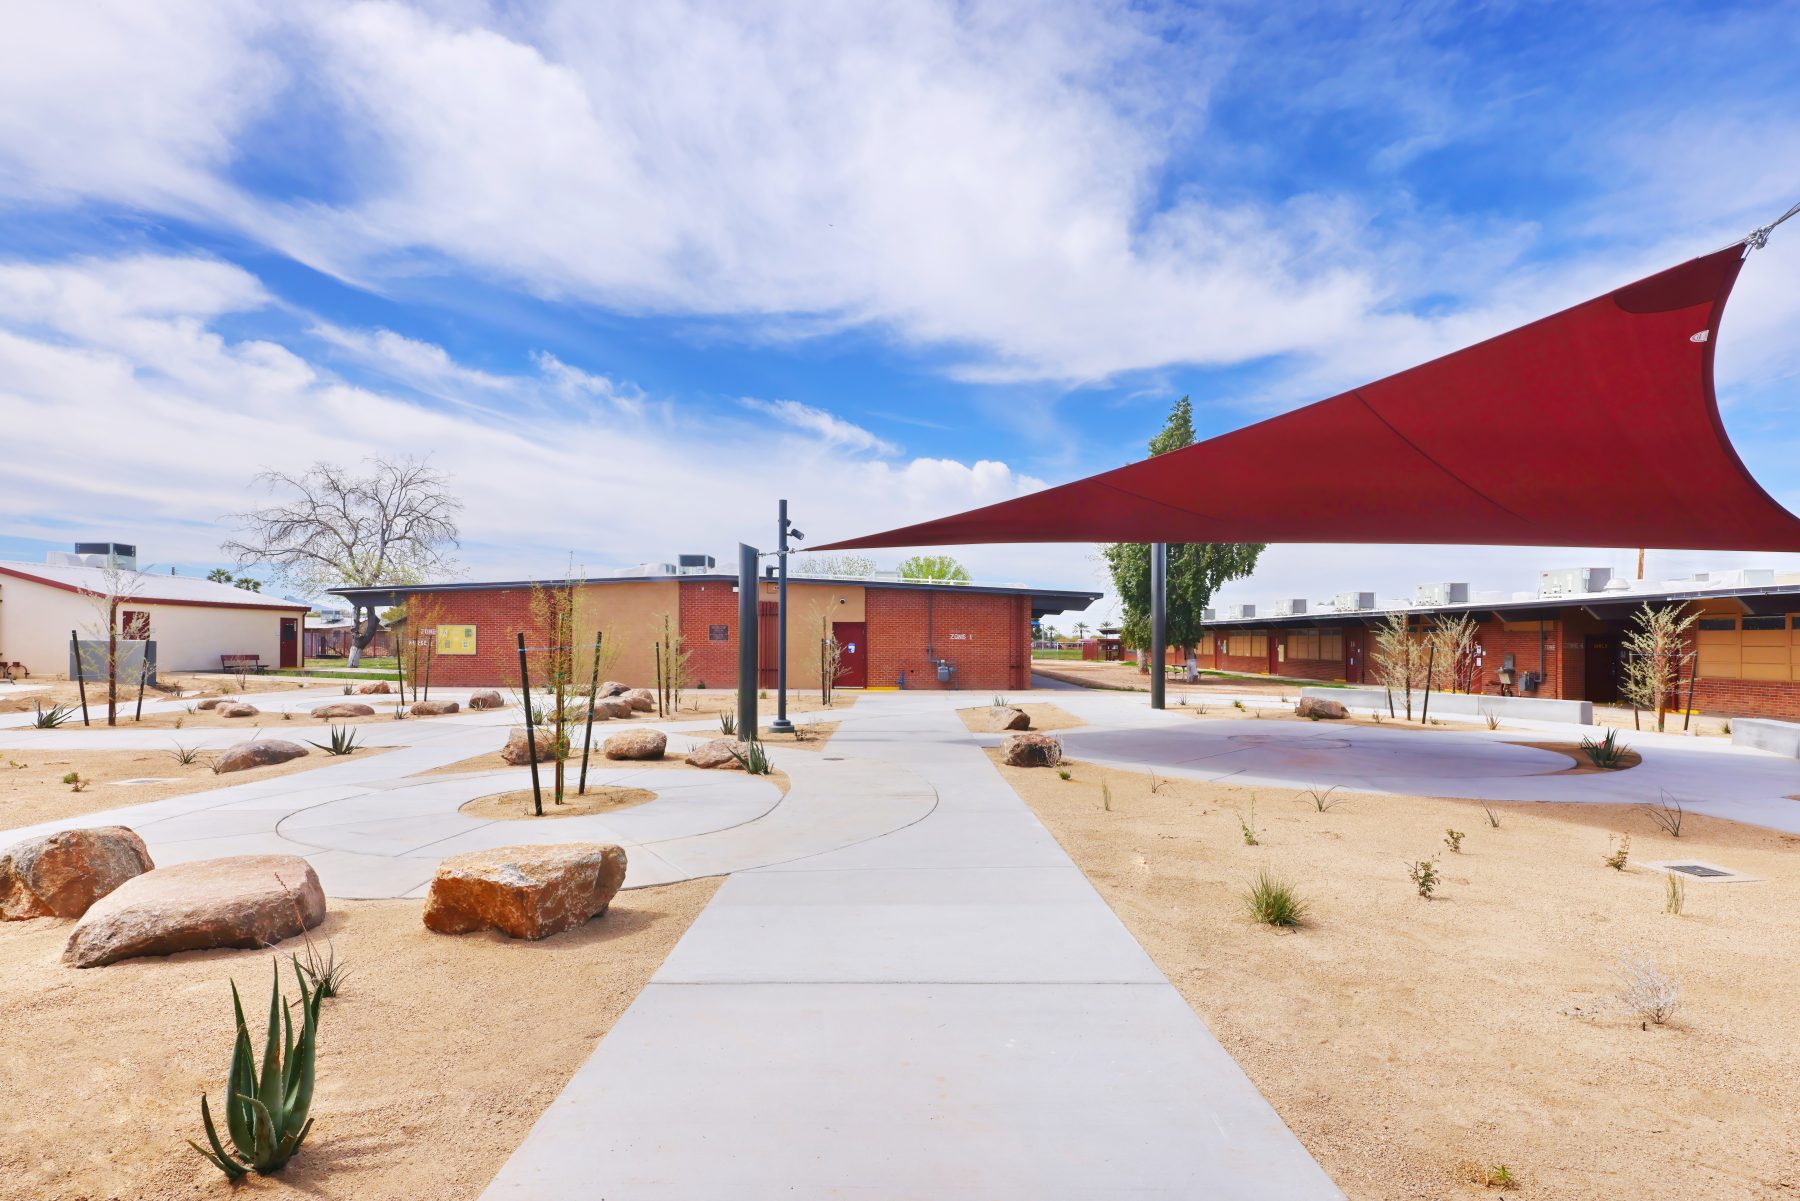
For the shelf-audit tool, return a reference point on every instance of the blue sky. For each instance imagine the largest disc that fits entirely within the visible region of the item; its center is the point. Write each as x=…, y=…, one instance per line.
x=630, y=275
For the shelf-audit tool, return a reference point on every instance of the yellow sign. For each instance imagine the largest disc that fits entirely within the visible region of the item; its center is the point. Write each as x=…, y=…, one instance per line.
x=456, y=640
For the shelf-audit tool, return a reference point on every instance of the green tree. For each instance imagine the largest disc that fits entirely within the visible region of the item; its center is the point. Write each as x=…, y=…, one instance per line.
x=220, y=575
x=248, y=583
x=1196, y=569
x=934, y=567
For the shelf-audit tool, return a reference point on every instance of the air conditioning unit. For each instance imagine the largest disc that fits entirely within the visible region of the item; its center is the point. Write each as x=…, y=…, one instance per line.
x=1295, y=607
x=1441, y=594
x=1351, y=602
x=121, y=555
x=695, y=562
x=1573, y=581
x=643, y=569
x=1209, y=615
x=1240, y=612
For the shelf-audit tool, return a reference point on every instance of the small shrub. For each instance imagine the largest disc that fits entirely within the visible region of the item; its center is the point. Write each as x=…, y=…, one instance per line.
x=1726, y=728
x=1237, y=704
x=1499, y=1176
x=1106, y=796
x=1247, y=824
x=185, y=755
x=1157, y=783
x=1491, y=718
x=49, y=719
x=753, y=759
x=1646, y=992
x=1273, y=902
x=180, y=720
x=1000, y=701
x=1201, y=708
x=1493, y=819
x=74, y=781
x=190, y=708
x=349, y=689
x=762, y=694
x=343, y=741
x=1424, y=875
x=266, y=1110
x=1621, y=851
x=1323, y=802
x=1182, y=700
x=1453, y=840
x=1063, y=773
x=728, y=724
x=1674, y=894
x=286, y=716
x=1607, y=753
x=1666, y=813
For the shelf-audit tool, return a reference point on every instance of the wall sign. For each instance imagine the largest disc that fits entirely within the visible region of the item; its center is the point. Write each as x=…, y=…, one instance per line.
x=962, y=637
x=455, y=640
x=718, y=633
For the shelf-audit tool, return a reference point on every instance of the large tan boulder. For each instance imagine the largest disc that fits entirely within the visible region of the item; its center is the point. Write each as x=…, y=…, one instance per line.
x=243, y=901
x=1316, y=708
x=1030, y=750
x=613, y=688
x=488, y=699
x=641, y=700
x=717, y=752
x=612, y=707
x=62, y=875
x=212, y=702
x=379, y=687
x=433, y=708
x=1005, y=717
x=516, y=750
x=642, y=743
x=237, y=709
x=344, y=709
x=524, y=891
x=258, y=752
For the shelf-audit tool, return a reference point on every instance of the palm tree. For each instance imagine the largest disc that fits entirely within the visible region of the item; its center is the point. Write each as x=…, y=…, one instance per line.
x=220, y=575
x=1081, y=628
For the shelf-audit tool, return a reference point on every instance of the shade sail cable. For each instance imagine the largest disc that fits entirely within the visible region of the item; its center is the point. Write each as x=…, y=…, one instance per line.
x=1757, y=238
x=1593, y=427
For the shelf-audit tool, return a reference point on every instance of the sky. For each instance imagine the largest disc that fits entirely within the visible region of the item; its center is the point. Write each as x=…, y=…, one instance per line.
x=628, y=274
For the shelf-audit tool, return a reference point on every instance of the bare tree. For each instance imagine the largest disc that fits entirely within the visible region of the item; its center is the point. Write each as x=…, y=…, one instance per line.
x=1399, y=657
x=1453, y=641
x=831, y=652
x=118, y=585
x=553, y=661
x=1654, y=647
x=339, y=529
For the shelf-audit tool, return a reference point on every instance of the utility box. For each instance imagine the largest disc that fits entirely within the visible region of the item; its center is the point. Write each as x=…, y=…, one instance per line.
x=1240, y=612
x=1572, y=581
x=1431, y=595
x=1353, y=602
x=1295, y=607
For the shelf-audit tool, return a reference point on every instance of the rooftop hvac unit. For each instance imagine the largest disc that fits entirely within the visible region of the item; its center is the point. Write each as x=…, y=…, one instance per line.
x=1208, y=615
x=1295, y=607
x=643, y=569
x=1350, y=602
x=122, y=555
x=1239, y=612
x=1441, y=594
x=695, y=562
x=1573, y=581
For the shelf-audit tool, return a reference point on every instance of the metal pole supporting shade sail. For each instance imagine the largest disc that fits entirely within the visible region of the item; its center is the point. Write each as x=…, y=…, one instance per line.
x=1596, y=426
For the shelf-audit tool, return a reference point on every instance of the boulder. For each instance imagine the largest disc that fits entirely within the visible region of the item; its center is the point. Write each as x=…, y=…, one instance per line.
x=525, y=891
x=1314, y=707
x=242, y=901
x=642, y=743
x=377, y=688
x=62, y=875
x=516, y=753
x=1030, y=750
x=612, y=707
x=612, y=688
x=487, y=700
x=344, y=709
x=258, y=752
x=641, y=700
x=237, y=709
x=717, y=752
x=1005, y=717
x=212, y=702
x=434, y=708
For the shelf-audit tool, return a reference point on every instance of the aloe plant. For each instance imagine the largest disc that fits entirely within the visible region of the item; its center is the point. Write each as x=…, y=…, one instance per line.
x=49, y=719
x=343, y=741
x=753, y=759
x=727, y=724
x=266, y=1111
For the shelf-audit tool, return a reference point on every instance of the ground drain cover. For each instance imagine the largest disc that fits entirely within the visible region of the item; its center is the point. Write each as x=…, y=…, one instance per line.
x=1700, y=871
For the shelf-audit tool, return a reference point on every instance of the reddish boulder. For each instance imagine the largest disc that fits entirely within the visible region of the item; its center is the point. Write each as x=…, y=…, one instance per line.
x=642, y=743
x=1030, y=750
x=613, y=688
x=524, y=891
x=344, y=709
x=258, y=752
x=718, y=752
x=1005, y=717
x=379, y=687
x=516, y=750
x=1317, y=708
x=488, y=699
x=242, y=901
x=433, y=708
x=237, y=709
x=62, y=875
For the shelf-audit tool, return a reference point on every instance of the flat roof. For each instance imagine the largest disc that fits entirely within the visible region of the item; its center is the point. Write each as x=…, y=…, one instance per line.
x=146, y=587
x=1043, y=600
x=1766, y=599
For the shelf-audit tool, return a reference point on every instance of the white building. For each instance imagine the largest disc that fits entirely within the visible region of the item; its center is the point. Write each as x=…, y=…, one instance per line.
x=191, y=621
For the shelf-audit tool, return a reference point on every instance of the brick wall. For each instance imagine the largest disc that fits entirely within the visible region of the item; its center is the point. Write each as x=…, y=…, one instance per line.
x=497, y=615
x=994, y=654
x=704, y=605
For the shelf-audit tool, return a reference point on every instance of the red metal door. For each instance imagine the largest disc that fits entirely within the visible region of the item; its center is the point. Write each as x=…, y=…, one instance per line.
x=290, y=642
x=768, y=643
x=852, y=636
x=1353, y=658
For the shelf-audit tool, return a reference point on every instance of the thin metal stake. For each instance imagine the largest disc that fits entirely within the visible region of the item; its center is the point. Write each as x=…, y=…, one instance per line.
x=1430, y=672
x=587, y=739
x=537, y=791
x=143, y=671
x=80, y=675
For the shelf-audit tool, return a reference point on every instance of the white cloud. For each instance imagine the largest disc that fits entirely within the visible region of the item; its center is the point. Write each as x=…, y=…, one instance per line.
x=827, y=427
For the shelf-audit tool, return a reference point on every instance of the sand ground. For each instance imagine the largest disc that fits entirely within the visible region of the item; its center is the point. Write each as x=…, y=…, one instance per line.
x=1044, y=719
x=32, y=791
x=433, y=1064
x=1414, y=1044
x=519, y=804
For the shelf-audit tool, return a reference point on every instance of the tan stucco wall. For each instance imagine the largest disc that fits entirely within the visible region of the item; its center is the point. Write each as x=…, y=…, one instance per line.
x=630, y=617
x=35, y=620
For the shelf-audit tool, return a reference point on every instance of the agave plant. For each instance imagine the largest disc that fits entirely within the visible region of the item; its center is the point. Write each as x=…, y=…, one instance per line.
x=753, y=759
x=728, y=724
x=1605, y=753
x=49, y=719
x=343, y=741
x=266, y=1112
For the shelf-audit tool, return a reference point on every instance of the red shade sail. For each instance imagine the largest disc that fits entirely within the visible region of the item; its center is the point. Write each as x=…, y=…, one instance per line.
x=1594, y=427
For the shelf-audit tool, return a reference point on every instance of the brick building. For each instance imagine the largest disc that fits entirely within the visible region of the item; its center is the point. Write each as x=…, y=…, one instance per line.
x=895, y=633
x=1564, y=642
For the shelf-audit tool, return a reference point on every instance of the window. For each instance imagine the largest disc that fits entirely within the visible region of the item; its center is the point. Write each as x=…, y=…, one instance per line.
x=1249, y=646
x=1755, y=647
x=1777, y=622
x=135, y=623
x=1325, y=645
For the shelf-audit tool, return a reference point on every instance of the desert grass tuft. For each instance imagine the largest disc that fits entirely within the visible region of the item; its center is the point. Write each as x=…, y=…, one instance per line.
x=1273, y=901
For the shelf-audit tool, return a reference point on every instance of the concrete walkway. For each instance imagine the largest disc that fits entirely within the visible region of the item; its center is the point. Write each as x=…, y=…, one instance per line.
x=948, y=1011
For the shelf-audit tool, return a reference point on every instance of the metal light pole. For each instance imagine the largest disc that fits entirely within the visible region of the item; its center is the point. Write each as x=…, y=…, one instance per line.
x=748, y=636
x=1159, y=621
x=781, y=724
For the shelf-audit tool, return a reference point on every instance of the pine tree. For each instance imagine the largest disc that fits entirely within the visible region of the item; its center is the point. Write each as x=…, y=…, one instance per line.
x=1196, y=569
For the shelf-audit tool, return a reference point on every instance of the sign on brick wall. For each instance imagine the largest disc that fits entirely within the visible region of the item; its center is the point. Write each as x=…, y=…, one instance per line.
x=455, y=640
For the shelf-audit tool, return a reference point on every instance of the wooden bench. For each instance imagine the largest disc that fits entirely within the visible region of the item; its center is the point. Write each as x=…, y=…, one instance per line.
x=242, y=663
